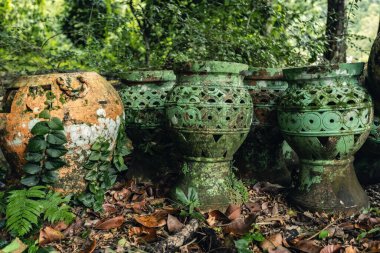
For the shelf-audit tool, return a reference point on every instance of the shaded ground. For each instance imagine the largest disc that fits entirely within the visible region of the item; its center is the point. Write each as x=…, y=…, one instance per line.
x=137, y=219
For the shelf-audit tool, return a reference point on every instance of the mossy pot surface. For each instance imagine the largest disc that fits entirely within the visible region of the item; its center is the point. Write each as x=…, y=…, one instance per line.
x=143, y=93
x=210, y=113
x=85, y=102
x=260, y=156
x=326, y=116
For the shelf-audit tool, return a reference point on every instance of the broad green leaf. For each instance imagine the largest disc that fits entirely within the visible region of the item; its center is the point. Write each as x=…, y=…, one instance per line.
x=55, y=124
x=56, y=138
x=40, y=128
x=95, y=156
x=96, y=146
x=45, y=114
x=37, y=144
x=33, y=157
x=31, y=168
x=54, y=163
x=30, y=180
x=180, y=195
x=50, y=177
x=92, y=175
x=56, y=152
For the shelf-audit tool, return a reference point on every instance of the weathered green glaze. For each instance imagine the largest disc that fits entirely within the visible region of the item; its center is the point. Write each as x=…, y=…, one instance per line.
x=143, y=94
x=261, y=155
x=210, y=112
x=367, y=161
x=325, y=116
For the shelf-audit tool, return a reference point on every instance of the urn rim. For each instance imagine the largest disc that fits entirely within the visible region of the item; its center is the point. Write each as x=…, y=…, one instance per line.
x=144, y=76
x=27, y=80
x=205, y=67
x=260, y=73
x=324, y=71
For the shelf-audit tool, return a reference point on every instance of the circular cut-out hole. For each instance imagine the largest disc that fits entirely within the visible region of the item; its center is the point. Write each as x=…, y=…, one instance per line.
x=331, y=120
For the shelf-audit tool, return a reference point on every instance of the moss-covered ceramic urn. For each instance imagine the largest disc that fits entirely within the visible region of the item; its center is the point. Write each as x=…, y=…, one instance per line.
x=210, y=112
x=59, y=118
x=367, y=161
x=143, y=93
x=261, y=155
x=325, y=116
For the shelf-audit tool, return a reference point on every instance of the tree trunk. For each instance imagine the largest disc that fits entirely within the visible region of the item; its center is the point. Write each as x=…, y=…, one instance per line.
x=336, y=29
x=378, y=29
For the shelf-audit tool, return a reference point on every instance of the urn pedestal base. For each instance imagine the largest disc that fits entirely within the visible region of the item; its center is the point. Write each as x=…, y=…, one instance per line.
x=329, y=185
x=214, y=182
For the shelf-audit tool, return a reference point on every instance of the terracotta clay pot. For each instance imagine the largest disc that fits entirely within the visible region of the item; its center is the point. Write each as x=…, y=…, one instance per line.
x=210, y=112
x=88, y=106
x=261, y=155
x=325, y=116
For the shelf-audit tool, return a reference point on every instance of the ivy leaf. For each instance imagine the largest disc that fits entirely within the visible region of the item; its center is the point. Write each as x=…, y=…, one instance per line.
x=30, y=180
x=95, y=156
x=44, y=114
x=40, y=128
x=55, y=124
x=34, y=157
x=31, y=168
x=37, y=144
x=56, y=152
x=56, y=138
x=50, y=177
x=96, y=146
x=91, y=176
x=54, y=163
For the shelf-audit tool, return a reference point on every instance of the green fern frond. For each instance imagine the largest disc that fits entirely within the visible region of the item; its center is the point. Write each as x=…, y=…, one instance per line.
x=56, y=208
x=23, y=209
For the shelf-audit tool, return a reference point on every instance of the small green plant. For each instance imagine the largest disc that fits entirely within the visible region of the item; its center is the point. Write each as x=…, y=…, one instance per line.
x=44, y=151
x=189, y=203
x=254, y=236
x=102, y=173
x=323, y=234
x=27, y=208
x=100, y=176
x=364, y=233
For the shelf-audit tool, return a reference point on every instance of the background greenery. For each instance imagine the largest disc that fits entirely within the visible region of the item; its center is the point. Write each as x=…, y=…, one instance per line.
x=114, y=35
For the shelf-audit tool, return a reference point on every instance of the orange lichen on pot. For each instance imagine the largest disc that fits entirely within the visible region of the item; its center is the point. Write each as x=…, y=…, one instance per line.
x=88, y=106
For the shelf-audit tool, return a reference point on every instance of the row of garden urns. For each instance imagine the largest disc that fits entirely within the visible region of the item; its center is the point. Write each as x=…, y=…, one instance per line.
x=307, y=121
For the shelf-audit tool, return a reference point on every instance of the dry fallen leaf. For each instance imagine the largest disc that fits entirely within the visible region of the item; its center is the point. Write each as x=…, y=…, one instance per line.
x=144, y=234
x=239, y=226
x=308, y=246
x=233, y=212
x=351, y=249
x=278, y=249
x=109, y=208
x=372, y=246
x=111, y=223
x=174, y=225
x=60, y=226
x=89, y=247
x=272, y=242
x=48, y=235
x=154, y=220
x=331, y=248
x=215, y=217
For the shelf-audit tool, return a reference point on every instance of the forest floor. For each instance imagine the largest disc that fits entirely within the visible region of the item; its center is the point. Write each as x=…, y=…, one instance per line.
x=137, y=219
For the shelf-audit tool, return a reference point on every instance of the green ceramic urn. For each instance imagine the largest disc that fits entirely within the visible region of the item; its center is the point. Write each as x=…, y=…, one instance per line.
x=261, y=155
x=210, y=112
x=367, y=161
x=325, y=116
x=143, y=93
